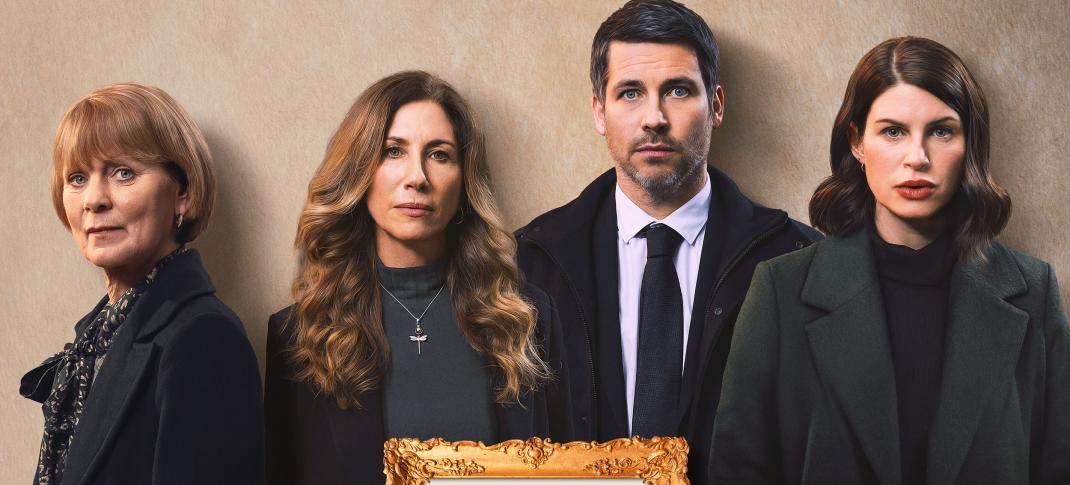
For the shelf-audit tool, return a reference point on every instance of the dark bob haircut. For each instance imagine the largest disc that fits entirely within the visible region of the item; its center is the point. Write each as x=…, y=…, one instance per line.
x=843, y=201
x=658, y=21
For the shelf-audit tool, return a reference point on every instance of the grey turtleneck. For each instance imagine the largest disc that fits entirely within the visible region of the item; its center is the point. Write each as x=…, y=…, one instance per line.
x=445, y=391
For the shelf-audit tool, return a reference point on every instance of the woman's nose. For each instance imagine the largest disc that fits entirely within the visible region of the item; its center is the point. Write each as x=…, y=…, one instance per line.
x=416, y=175
x=96, y=197
x=918, y=157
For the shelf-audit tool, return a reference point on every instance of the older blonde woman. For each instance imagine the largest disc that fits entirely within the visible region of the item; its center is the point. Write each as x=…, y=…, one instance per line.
x=160, y=385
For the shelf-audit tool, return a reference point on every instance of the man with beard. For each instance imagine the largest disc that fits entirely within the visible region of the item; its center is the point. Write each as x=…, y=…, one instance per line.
x=649, y=265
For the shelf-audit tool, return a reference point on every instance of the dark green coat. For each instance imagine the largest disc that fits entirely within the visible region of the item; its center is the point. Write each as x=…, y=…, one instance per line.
x=809, y=389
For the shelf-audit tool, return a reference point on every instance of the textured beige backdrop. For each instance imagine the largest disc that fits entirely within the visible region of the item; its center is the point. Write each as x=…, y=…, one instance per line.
x=268, y=82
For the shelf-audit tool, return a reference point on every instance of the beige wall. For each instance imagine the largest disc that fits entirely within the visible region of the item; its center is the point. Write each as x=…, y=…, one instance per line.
x=268, y=85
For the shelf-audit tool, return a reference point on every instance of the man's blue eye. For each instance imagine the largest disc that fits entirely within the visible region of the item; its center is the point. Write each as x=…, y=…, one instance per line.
x=679, y=92
x=630, y=94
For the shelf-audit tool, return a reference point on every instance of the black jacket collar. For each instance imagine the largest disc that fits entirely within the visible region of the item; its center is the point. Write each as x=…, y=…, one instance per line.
x=575, y=237
x=734, y=221
x=182, y=279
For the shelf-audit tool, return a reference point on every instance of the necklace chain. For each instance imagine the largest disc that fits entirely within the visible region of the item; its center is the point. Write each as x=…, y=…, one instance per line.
x=418, y=330
x=418, y=336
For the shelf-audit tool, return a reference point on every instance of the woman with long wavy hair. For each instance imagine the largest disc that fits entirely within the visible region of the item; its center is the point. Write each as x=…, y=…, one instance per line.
x=409, y=318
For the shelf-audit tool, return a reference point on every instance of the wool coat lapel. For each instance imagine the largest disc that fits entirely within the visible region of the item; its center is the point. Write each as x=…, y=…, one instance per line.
x=984, y=339
x=127, y=360
x=120, y=374
x=852, y=350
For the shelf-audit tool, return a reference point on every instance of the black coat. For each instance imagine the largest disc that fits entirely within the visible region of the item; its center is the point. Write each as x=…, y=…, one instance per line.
x=810, y=392
x=311, y=441
x=177, y=399
x=571, y=252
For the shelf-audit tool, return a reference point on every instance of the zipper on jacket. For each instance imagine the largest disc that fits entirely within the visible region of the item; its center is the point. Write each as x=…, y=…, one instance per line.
x=583, y=317
x=735, y=261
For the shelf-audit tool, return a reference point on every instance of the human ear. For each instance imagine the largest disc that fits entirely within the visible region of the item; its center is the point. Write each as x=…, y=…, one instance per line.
x=599, y=111
x=181, y=202
x=856, y=144
x=717, y=106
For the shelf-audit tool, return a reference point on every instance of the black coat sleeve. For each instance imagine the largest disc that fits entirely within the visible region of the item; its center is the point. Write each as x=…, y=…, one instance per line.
x=1052, y=464
x=280, y=406
x=559, y=406
x=210, y=428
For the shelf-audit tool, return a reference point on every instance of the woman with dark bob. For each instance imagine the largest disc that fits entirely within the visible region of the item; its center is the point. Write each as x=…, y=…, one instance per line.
x=409, y=318
x=908, y=347
x=160, y=385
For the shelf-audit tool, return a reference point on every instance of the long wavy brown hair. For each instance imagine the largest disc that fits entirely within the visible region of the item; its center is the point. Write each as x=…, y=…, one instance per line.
x=340, y=345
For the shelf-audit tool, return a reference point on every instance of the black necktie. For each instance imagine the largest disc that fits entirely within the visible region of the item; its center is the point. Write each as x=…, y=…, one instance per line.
x=661, y=337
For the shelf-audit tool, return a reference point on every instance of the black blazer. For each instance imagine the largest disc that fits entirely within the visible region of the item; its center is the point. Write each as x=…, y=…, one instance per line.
x=809, y=392
x=571, y=252
x=177, y=400
x=311, y=441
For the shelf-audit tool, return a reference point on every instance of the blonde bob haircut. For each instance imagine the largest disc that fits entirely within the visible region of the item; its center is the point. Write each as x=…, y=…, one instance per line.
x=130, y=120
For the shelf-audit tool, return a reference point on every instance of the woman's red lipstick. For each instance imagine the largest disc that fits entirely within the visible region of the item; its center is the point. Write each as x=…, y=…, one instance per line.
x=915, y=189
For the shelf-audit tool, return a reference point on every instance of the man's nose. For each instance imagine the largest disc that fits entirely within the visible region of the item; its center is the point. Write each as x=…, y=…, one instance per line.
x=654, y=116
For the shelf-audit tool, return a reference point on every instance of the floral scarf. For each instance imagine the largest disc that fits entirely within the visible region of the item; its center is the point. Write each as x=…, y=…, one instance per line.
x=75, y=370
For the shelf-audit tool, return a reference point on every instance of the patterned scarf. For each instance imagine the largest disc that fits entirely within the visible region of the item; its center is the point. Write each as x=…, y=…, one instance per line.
x=76, y=367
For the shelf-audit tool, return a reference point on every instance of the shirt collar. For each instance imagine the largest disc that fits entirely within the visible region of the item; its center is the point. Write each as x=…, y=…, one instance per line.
x=688, y=220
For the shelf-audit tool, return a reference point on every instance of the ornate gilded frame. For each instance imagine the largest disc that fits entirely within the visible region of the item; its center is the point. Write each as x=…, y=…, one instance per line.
x=657, y=461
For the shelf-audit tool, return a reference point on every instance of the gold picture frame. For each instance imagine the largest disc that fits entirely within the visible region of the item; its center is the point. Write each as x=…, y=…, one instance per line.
x=657, y=461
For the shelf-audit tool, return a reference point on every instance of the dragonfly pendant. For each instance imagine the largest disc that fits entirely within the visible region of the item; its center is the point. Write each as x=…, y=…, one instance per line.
x=419, y=338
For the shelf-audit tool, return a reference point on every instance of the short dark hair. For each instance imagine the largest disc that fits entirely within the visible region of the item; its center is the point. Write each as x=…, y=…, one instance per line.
x=660, y=21
x=843, y=201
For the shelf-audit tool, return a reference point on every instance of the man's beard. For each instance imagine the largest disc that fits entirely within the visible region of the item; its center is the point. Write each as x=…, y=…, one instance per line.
x=692, y=152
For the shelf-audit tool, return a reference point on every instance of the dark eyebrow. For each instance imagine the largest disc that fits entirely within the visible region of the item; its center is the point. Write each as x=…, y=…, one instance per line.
x=945, y=119
x=432, y=143
x=436, y=142
x=934, y=122
x=627, y=83
x=680, y=81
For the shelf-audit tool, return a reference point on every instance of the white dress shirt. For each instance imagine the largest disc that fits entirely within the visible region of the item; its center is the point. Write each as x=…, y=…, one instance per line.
x=690, y=222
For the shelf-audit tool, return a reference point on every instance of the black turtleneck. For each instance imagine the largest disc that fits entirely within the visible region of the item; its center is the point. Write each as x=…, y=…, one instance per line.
x=915, y=288
x=445, y=389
